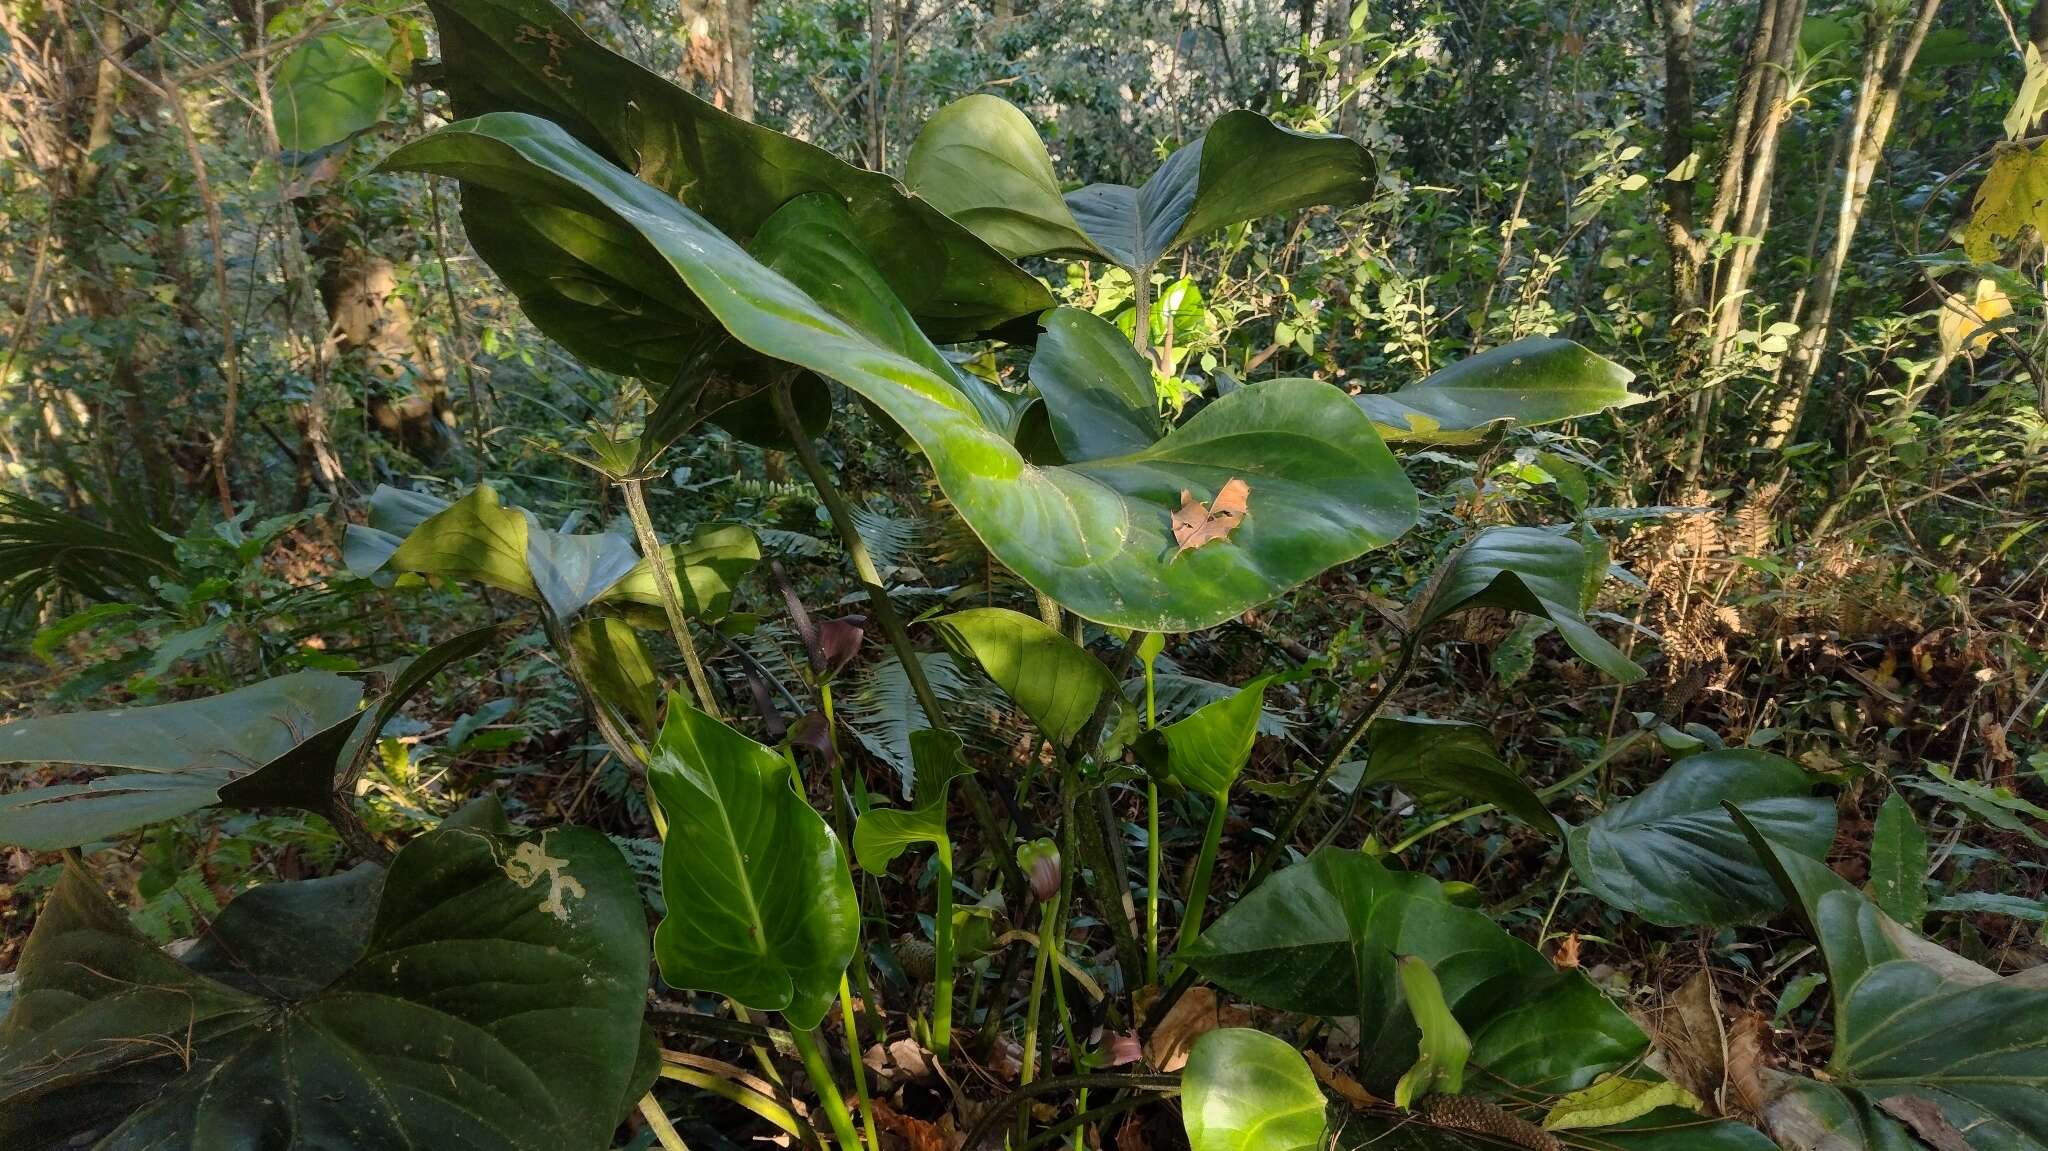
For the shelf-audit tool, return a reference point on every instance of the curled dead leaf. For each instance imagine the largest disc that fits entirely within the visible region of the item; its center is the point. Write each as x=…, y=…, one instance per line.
x=1195, y=525
x=1350, y=1090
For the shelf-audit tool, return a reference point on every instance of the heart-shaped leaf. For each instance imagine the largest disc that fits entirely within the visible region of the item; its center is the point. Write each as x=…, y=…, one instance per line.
x=1245, y=1090
x=1321, y=938
x=479, y=538
x=1207, y=750
x=980, y=161
x=1671, y=854
x=1095, y=536
x=761, y=906
x=883, y=833
x=1098, y=393
x=1435, y=759
x=1539, y=380
x=1527, y=570
x=493, y=1001
x=1052, y=678
x=576, y=274
x=1914, y=1025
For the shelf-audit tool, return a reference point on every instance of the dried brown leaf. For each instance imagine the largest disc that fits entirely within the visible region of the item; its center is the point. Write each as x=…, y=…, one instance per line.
x=1197, y=1013
x=1195, y=525
x=1925, y=1118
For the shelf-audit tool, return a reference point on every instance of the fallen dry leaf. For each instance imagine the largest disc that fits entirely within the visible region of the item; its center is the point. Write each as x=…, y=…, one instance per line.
x=1691, y=1045
x=1567, y=957
x=1131, y=1136
x=919, y=1134
x=1925, y=1118
x=1197, y=1013
x=1194, y=525
x=1348, y=1089
x=1748, y=1053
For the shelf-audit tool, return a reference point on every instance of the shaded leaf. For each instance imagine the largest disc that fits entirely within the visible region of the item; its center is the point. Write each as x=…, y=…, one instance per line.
x=1527, y=570
x=1435, y=759
x=1320, y=938
x=1672, y=855
x=334, y=85
x=1098, y=393
x=495, y=1003
x=1898, y=862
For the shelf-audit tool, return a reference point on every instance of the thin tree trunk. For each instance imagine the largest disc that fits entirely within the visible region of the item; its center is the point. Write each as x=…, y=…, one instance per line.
x=1885, y=69
x=1742, y=203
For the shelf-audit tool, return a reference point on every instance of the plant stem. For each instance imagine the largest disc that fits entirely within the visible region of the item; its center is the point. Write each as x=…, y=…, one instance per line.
x=892, y=624
x=1198, y=887
x=942, y=960
x=1141, y=311
x=1151, y=881
x=860, y=1070
x=671, y=599
x=1151, y=841
x=829, y=1097
x=1029, y=1067
x=657, y=1119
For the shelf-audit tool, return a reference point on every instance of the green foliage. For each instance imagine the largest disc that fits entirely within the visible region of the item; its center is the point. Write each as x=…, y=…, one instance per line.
x=760, y=905
x=1530, y=570
x=1053, y=679
x=1526, y=383
x=1672, y=855
x=1245, y=1090
x=1435, y=759
x=311, y=1006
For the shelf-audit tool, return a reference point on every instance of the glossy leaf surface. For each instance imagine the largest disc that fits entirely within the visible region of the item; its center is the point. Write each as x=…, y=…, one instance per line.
x=1527, y=570
x=981, y=162
x=1245, y=1090
x=1095, y=536
x=1098, y=393
x=1539, y=380
x=1672, y=855
x=576, y=272
x=1913, y=1022
x=760, y=903
x=1053, y=679
x=1207, y=750
x=1320, y=938
x=280, y=736
x=492, y=1000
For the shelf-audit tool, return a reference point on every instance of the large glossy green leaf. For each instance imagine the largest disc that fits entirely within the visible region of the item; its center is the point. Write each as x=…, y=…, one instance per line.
x=1915, y=1023
x=980, y=161
x=1671, y=854
x=1245, y=1090
x=335, y=85
x=1439, y=759
x=1669, y=1129
x=482, y=539
x=1321, y=938
x=492, y=1001
x=760, y=903
x=575, y=272
x=1098, y=393
x=1529, y=570
x=281, y=736
x=1052, y=678
x=1207, y=750
x=1095, y=536
x=1539, y=380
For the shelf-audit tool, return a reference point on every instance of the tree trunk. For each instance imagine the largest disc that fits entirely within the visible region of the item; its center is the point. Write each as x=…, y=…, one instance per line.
x=1742, y=203
x=1885, y=67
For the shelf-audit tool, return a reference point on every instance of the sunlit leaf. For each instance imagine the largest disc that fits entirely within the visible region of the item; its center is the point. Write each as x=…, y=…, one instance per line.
x=1539, y=380
x=1245, y=1090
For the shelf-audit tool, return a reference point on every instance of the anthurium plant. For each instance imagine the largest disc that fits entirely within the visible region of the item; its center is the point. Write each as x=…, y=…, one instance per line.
x=485, y=985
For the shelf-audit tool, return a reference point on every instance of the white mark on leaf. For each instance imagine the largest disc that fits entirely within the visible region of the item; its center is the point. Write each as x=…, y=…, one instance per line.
x=530, y=862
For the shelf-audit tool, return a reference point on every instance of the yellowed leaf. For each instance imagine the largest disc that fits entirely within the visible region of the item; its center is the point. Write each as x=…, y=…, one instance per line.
x=1968, y=321
x=2013, y=198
